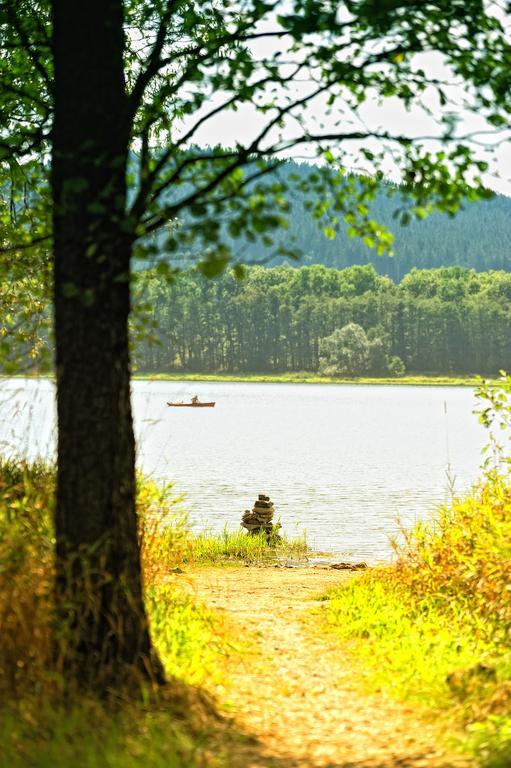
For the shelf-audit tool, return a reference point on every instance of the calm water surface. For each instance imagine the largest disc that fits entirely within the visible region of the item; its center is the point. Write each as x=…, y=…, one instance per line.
x=341, y=462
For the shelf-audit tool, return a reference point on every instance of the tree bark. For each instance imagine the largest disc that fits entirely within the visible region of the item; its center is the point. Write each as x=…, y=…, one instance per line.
x=99, y=585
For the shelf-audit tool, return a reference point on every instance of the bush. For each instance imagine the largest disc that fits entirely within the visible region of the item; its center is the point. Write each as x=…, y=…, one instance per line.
x=395, y=366
x=345, y=352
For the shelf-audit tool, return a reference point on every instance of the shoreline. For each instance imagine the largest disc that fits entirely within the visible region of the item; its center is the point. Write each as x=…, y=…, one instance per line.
x=311, y=378
x=419, y=380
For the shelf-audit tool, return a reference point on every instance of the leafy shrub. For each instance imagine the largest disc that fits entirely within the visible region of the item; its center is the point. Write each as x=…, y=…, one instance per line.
x=344, y=352
x=395, y=366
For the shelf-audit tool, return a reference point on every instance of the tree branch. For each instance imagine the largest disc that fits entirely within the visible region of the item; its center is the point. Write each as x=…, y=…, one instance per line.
x=145, y=187
x=159, y=221
x=24, y=246
x=154, y=62
x=28, y=45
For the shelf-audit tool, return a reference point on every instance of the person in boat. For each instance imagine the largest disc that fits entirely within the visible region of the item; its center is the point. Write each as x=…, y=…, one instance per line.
x=195, y=400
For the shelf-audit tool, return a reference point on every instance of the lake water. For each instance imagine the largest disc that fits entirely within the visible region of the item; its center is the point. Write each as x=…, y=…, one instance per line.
x=341, y=462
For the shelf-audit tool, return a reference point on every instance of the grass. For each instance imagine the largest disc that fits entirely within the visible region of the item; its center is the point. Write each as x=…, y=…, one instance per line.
x=304, y=377
x=189, y=638
x=168, y=729
x=307, y=377
x=89, y=735
x=38, y=728
x=234, y=546
x=435, y=627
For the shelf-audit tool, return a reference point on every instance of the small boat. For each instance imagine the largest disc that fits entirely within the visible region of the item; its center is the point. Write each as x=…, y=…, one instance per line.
x=191, y=405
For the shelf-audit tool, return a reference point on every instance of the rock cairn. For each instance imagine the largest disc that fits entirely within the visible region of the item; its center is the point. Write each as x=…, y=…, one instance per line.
x=260, y=518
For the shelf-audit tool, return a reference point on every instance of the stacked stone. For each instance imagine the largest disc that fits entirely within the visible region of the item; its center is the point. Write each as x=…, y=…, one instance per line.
x=260, y=518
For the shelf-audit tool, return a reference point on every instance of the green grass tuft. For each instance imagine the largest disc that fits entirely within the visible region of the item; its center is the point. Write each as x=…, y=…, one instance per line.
x=188, y=636
x=237, y=545
x=89, y=735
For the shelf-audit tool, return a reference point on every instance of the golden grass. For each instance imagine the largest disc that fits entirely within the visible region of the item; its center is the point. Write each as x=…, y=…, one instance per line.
x=42, y=723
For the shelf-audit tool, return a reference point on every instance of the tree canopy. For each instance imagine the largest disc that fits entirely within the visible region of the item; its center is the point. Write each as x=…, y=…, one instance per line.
x=478, y=236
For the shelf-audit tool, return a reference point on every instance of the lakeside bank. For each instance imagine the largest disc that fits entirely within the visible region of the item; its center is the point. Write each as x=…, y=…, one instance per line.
x=299, y=377
x=312, y=378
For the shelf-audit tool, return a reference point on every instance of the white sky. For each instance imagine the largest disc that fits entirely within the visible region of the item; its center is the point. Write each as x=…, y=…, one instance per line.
x=390, y=116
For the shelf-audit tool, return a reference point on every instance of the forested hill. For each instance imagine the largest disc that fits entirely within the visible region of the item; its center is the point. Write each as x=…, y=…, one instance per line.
x=479, y=236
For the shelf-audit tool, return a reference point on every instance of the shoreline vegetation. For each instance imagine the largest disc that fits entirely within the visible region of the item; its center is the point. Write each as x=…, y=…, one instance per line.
x=433, y=380
x=432, y=629
x=312, y=378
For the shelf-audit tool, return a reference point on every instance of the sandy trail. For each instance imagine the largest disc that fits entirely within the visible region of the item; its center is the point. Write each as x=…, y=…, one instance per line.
x=295, y=696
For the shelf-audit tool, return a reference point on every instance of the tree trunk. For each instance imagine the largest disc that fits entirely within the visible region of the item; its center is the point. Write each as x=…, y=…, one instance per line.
x=99, y=586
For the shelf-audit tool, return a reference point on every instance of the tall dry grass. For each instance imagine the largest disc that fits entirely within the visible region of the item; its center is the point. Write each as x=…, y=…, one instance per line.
x=42, y=722
x=26, y=573
x=435, y=627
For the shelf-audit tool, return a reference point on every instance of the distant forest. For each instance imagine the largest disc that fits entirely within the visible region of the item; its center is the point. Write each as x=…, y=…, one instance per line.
x=479, y=236
x=450, y=320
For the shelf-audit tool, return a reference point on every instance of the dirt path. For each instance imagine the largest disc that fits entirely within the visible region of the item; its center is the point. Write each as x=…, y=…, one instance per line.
x=294, y=697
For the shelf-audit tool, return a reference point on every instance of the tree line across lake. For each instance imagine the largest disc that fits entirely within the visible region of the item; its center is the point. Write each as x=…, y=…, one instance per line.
x=450, y=320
